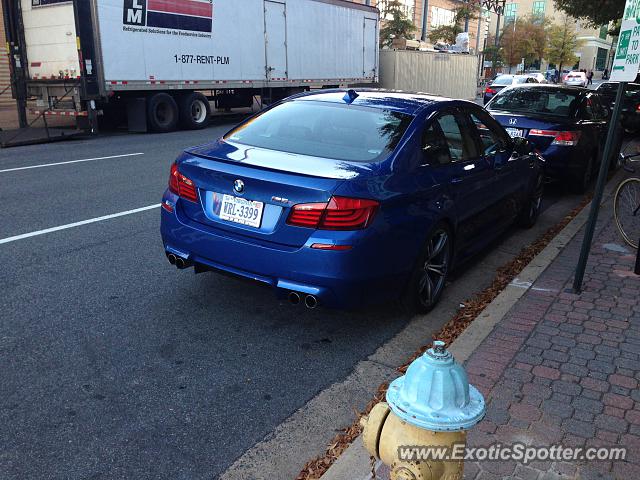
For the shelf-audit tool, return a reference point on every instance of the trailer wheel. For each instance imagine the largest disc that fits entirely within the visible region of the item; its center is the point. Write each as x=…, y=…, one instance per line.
x=194, y=111
x=162, y=113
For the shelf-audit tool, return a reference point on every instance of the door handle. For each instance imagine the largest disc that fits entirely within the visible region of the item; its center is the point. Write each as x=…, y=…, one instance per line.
x=456, y=180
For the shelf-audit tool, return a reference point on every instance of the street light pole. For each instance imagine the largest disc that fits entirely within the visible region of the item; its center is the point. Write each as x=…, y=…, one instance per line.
x=425, y=19
x=597, y=196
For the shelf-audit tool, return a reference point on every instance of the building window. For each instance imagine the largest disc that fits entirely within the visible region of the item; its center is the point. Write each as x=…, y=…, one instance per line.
x=538, y=8
x=604, y=31
x=510, y=12
x=441, y=16
x=601, y=59
x=408, y=7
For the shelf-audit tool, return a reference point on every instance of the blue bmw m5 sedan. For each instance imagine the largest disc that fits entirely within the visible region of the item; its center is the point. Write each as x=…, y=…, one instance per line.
x=345, y=198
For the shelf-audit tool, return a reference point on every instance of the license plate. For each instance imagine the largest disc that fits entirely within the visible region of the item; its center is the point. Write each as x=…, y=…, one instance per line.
x=241, y=210
x=515, y=132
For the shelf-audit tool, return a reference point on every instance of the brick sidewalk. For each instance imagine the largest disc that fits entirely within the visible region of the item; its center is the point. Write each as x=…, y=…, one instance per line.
x=564, y=369
x=561, y=368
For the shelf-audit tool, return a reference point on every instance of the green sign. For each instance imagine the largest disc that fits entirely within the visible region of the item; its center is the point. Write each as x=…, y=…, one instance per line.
x=623, y=46
x=627, y=60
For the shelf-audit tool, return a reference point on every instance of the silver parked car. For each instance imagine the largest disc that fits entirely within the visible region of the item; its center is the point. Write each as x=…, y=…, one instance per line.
x=576, y=79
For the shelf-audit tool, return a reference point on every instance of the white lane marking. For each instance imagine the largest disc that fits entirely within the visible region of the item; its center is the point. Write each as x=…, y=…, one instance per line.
x=70, y=161
x=77, y=224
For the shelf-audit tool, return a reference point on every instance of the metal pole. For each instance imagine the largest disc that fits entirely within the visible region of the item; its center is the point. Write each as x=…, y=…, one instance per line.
x=497, y=45
x=479, y=31
x=425, y=19
x=597, y=196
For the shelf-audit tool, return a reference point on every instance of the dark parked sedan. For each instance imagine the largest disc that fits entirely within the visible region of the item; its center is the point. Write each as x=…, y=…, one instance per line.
x=630, y=104
x=567, y=124
x=345, y=198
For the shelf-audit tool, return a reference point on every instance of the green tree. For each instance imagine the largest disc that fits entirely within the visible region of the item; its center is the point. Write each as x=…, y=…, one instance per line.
x=536, y=38
x=449, y=33
x=525, y=38
x=596, y=12
x=563, y=43
x=397, y=25
x=512, y=42
x=492, y=53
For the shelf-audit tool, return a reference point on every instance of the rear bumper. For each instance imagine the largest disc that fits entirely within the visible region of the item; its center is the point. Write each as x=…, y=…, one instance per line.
x=338, y=279
x=563, y=162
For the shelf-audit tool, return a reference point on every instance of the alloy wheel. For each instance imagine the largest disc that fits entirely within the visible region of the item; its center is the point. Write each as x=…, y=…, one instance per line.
x=434, y=270
x=536, y=203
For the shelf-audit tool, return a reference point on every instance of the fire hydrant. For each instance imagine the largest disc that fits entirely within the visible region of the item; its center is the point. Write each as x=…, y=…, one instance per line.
x=430, y=408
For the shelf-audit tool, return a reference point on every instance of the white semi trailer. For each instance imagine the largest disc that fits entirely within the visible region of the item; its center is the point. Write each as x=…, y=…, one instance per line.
x=157, y=63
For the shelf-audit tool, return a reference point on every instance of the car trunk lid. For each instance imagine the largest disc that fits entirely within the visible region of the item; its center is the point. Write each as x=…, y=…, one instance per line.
x=266, y=180
x=523, y=124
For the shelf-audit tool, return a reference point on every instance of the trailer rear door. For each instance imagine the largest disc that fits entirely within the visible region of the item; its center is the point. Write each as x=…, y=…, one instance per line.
x=275, y=25
x=370, y=48
x=50, y=37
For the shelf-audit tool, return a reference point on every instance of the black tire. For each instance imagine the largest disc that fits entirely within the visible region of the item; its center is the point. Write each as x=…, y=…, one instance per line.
x=580, y=184
x=429, y=276
x=162, y=113
x=531, y=210
x=195, y=111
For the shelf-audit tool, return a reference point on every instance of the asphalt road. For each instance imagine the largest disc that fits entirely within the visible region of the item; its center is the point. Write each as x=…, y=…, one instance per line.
x=113, y=364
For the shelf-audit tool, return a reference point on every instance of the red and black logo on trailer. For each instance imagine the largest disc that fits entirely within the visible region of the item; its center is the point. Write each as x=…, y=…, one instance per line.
x=190, y=15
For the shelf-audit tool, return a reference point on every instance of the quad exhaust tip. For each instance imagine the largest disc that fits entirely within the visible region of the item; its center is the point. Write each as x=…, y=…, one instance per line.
x=310, y=301
x=294, y=298
x=181, y=263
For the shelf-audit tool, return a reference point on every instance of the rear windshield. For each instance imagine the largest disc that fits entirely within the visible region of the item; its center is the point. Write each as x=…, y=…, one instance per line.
x=322, y=129
x=538, y=101
x=504, y=80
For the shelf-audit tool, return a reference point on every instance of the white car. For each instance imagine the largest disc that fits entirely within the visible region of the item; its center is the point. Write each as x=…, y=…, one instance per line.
x=538, y=76
x=576, y=79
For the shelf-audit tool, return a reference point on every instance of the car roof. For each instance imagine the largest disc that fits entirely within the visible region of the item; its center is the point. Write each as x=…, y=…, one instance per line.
x=405, y=102
x=556, y=88
x=634, y=84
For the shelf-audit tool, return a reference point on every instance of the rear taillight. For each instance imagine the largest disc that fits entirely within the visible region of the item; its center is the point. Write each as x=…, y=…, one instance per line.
x=638, y=108
x=565, y=139
x=339, y=213
x=490, y=90
x=181, y=185
x=306, y=214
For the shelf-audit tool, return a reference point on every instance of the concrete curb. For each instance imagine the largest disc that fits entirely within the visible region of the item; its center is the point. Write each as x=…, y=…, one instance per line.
x=356, y=458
